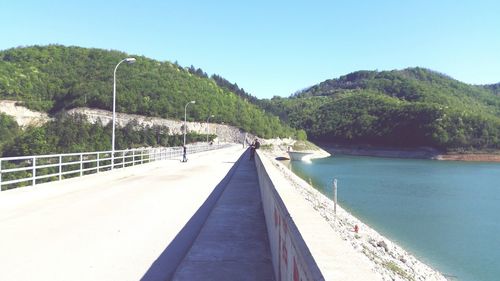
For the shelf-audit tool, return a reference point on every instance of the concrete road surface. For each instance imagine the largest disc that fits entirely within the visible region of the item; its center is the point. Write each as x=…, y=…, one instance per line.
x=232, y=243
x=111, y=226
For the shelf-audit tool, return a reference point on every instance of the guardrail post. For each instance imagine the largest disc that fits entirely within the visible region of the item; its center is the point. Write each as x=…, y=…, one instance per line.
x=142, y=156
x=98, y=162
x=81, y=164
x=60, y=167
x=123, y=159
x=33, y=171
x=133, y=157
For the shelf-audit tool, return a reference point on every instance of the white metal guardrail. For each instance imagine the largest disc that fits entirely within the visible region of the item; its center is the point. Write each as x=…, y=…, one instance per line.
x=32, y=170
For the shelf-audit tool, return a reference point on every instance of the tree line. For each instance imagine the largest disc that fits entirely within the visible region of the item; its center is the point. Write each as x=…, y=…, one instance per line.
x=71, y=133
x=56, y=78
x=409, y=108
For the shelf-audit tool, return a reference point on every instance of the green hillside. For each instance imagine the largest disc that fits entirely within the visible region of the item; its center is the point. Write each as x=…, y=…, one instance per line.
x=56, y=78
x=403, y=108
x=407, y=108
x=494, y=87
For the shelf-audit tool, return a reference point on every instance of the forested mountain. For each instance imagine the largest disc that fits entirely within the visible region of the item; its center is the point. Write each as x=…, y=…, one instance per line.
x=408, y=108
x=224, y=84
x=57, y=78
x=8, y=130
x=494, y=87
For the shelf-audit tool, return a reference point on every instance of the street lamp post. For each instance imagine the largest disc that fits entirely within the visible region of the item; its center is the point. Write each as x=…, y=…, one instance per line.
x=129, y=61
x=185, y=117
x=208, y=125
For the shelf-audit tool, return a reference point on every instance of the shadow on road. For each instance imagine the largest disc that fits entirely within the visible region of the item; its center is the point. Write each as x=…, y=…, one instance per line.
x=166, y=264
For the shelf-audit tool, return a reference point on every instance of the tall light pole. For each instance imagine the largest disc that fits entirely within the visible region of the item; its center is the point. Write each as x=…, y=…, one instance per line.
x=129, y=61
x=185, y=117
x=208, y=125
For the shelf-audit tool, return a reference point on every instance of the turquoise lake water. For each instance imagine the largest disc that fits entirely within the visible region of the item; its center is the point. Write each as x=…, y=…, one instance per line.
x=445, y=213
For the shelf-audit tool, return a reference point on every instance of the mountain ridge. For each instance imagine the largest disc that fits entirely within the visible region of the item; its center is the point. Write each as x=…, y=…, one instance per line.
x=56, y=78
x=412, y=107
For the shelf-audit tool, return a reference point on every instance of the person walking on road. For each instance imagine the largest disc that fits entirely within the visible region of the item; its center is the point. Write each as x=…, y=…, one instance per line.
x=184, y=154
x=255, y=145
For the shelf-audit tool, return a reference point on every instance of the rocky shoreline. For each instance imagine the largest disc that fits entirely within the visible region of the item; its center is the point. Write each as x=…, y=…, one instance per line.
x=483, y=157
x=417, y=153
x=389, y=260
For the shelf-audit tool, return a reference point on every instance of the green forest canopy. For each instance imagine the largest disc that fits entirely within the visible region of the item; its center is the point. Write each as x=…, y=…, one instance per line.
x=406, y=108
x=55, y=78
x=72, y=133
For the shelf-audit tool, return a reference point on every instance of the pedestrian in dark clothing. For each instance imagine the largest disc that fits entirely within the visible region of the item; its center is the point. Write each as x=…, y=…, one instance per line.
x=252, y=150
x=184, y=154
x=255, y=145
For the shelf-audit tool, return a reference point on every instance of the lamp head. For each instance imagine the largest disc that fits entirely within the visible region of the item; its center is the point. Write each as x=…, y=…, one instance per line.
x=130, y=60
x=193, y=101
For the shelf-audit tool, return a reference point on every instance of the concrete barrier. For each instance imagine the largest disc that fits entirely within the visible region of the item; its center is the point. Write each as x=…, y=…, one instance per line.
x=291, y=257
x=304, y=246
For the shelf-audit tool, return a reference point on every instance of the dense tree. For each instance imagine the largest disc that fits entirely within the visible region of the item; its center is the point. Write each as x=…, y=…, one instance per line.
x=8, y=129
x=494, y=87
x=224, y=84
x=72, y=133
x=56, y=78
x=411, y=108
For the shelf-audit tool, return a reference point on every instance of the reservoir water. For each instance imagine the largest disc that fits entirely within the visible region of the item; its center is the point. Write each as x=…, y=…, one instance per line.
x=445, y=213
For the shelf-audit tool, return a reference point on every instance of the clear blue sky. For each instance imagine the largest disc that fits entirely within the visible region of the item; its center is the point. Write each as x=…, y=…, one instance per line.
x=274, y=47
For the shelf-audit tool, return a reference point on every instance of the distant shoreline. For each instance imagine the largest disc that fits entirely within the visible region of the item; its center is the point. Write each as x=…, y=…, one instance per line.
x=409, y=153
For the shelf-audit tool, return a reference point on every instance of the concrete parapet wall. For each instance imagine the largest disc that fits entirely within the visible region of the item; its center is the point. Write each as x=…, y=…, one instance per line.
x=292, y=259
x=303, y=244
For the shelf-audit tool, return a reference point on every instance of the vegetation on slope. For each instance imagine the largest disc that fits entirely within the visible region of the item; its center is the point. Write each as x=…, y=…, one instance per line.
x=409, y=108
x=8, y=130
x=494, y=87
x=72, y=133
x=56, y=78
